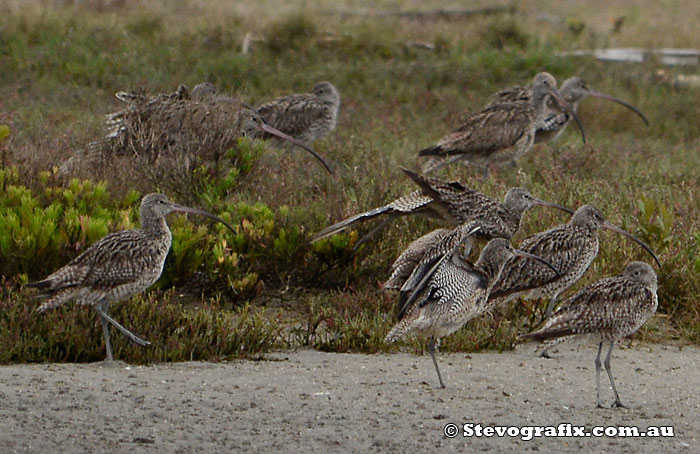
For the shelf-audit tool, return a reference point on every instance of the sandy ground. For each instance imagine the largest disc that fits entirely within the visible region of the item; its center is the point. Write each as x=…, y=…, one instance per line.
x=308, y=401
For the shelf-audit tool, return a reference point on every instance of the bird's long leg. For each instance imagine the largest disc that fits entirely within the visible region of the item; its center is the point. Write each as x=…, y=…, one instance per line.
x=618, y=403
x=103, y=308
x=443, y=163
x=135, y=339
x=597, y=375
x=550, y=306
x=431, y=349
x=486, y=172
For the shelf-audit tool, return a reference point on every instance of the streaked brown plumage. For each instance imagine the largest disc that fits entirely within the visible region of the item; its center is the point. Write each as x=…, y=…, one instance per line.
x=500, y=132
x=456, y=204
x=459, y=204
x=555, y=120
x=404, y=265
x=571, y=248
x=411, y=204
x=605, y=312
x=179, y=123
x=117, y=266
x=307, y=116
x=453, y=292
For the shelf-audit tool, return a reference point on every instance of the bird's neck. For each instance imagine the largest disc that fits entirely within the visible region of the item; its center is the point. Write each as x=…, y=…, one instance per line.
x=489, y=268
x=155, y=226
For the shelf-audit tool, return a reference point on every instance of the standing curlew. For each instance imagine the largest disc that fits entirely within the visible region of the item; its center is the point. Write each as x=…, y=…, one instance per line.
x=117, y=266
x=603, y=312
x=454, y=293
x=179, y=123
x=500, y=132
x=307, y=116
x=573, y=91
x=456, y=204
x=571, y=248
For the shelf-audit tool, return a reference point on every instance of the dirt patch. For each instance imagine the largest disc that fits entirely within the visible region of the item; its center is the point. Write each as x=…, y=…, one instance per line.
x=308, y=401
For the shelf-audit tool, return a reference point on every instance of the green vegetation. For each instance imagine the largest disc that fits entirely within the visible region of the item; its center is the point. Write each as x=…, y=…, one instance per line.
x=59, y=69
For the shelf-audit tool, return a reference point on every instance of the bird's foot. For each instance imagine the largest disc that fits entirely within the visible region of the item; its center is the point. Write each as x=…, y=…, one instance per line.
x=546, y=354
x=618, y=404
x=109, y=362
x=138, y=341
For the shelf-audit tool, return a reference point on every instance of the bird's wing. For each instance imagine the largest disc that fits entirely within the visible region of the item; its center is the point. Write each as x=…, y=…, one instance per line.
x=406, y=205
x=513, y=94
x=438, y=253
x=115, y=259
x=562, y=246
x=293, y=114
x=494, y=128
x=404, y=265
x=453, y=283
x=599, y=307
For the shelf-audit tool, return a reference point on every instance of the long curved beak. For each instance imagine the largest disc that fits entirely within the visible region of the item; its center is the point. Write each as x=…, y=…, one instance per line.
x=270, y=130
x=185, y=209
x=527, y=255
x=552, y=205
x=597, y=94
x=566, y=106
x=616, y=229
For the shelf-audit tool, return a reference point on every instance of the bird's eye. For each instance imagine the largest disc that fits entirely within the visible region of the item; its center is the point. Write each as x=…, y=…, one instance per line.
x=636, y=273
x=254, y=119
x=526, y=196
x=162, y=202
x=596, y=216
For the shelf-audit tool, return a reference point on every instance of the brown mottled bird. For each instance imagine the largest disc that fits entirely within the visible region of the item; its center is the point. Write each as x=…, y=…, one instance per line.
x=454, y=203
x=573, y=91
x=571, y=248
x=605, y=312
x=117, y=266
x=453, y=292
x=178, y=123
x=404, y=265
x=307, y=116
x=500, y=132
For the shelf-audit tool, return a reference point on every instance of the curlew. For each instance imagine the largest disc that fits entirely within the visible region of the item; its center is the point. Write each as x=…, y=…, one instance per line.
x=178, y=122
x=117, y=266
x=417, y=250
x=307, y=116
x=500, y=132
x=459, y=204
x=605, y=312
x=573, y=91
x=454, y=203
x=453, y=293
x=571, y=248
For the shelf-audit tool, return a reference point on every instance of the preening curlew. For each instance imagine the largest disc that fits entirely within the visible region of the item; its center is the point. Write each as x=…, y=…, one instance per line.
x=500, y=132
x=605, y=312
x=456, y=204
x=450, y=294
x=117, y=266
